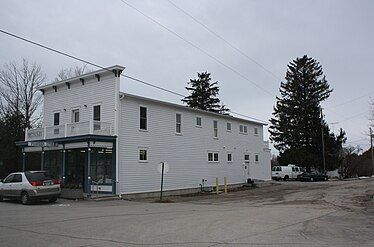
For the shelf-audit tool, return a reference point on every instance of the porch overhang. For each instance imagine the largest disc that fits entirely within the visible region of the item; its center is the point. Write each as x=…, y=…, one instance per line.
x=66, y=140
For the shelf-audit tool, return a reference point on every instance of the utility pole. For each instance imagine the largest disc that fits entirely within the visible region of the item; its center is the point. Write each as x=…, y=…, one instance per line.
x=323, y=144
x=372, y=151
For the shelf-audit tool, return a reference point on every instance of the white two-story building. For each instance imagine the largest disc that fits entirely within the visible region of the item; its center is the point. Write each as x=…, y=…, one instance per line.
x=93, y=134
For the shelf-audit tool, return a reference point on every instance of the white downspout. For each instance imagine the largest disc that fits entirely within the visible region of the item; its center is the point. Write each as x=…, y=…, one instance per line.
x=116, y=126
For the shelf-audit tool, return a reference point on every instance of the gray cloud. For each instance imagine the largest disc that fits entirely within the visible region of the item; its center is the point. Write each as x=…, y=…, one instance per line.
x=339, y=34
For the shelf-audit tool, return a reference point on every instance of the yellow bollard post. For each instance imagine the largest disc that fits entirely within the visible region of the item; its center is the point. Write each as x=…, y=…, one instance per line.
x=225, y=181
x=217, y=186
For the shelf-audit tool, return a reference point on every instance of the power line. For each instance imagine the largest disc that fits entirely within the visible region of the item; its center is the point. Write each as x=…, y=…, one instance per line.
x=352, y=100
x=198, y=48
x=101, y=67
x=223, y=39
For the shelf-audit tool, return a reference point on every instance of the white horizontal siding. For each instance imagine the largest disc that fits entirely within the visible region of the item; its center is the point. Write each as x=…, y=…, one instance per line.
x=186, y=154
x=79, y=96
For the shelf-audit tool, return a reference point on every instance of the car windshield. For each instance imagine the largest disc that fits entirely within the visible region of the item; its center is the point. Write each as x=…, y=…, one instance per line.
x=38, y=176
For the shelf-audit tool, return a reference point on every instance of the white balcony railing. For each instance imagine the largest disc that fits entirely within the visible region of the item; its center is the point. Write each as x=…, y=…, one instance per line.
x=70, y=129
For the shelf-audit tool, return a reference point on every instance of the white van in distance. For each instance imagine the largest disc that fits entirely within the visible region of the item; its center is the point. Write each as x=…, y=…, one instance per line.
x=286, y=172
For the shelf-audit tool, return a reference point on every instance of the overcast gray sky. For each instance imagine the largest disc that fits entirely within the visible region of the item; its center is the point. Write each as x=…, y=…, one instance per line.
x=339, y=34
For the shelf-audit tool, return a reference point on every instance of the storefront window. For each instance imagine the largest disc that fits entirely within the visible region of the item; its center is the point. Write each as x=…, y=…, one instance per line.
x=101, y=165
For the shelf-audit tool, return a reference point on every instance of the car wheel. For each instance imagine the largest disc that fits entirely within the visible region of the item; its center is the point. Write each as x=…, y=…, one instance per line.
x=286, y=178
x=52, y=199
x=25, y=199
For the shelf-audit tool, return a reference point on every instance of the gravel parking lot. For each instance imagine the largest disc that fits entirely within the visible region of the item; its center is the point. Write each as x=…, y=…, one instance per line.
x=333, y=213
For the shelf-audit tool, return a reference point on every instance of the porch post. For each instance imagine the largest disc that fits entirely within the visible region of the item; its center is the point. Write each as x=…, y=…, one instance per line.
x=114, y=167
x=63, y=163
x=88, y=169
x=42, y=160
x=23, y=160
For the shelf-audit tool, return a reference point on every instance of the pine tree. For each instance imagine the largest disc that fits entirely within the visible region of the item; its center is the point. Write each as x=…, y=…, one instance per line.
x=296, y=126
x=203, y=94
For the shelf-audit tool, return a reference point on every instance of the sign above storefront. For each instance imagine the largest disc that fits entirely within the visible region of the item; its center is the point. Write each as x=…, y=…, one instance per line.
x=42, y=144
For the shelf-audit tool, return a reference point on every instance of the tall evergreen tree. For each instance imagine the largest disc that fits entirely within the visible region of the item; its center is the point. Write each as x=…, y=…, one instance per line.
x=296, y=126
x=203, y=94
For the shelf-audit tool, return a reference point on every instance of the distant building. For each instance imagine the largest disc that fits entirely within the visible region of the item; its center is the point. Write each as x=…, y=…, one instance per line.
x=94, y=134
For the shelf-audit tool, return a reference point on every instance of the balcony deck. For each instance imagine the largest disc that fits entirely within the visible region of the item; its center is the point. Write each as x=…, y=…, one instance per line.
x=70, y=129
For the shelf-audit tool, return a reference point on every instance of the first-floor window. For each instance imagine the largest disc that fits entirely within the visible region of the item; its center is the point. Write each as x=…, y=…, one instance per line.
x=229, y=157
x=246, y=158
x=143, y=155
x=212, y=156
x=257, y=158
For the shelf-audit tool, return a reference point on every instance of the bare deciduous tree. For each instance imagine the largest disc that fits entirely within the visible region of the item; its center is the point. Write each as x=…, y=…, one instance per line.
x=64, y=74
x=19, y=94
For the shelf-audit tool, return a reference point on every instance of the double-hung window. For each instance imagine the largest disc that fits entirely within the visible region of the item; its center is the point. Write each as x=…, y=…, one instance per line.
x=256, y=131
x=229, y=157
x=212, y=157
x=97, y=116
x=56, y=121
x=143, y=118
x=198, y=121
x=257, y=159
x=228, y=127
x=75, y=116
x=178, y=123
x=143, y=155
x=215, y=128
x=243, y=129
x=56, y=118
x=246, y=158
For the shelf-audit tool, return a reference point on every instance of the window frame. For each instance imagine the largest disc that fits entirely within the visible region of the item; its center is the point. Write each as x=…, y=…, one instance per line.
x=256, y=158
x=54, y=118
x=73, y=115
x=93, y=112
x=215, y=129
x=255, y=131
x=243, y=129
x=229, y=154
x=140, y=118
x=227, y=125
x=146, y=155
x=247, y=160
x=178, y=124
x=201, y=122
x=17, y=175
x=214, y=155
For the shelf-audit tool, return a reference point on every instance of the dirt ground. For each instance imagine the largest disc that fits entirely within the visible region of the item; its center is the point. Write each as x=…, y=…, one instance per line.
x=332, y=213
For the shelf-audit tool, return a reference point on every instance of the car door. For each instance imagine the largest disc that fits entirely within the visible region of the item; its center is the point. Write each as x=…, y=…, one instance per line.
x=16, y=185
x=5, y=188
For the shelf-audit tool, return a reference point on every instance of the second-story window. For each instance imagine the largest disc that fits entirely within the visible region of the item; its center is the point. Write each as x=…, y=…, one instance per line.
x=198, y=121
x=228, y=127
x=97, y=113
x=178, y=123
x=143, y=118
x=215, y=128
x=256, y=131
x=243, y=129
x=75, y=116
x=56, y=118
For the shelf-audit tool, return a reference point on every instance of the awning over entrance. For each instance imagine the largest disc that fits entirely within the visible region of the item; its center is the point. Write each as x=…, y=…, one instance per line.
x=86, y=161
